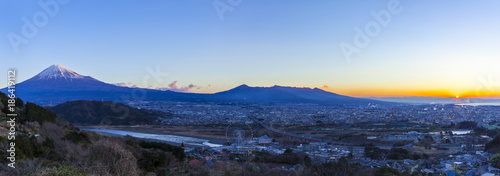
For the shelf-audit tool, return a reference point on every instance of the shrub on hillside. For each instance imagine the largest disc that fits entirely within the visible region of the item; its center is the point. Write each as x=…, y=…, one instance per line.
x=108, y=156
x=77, y=137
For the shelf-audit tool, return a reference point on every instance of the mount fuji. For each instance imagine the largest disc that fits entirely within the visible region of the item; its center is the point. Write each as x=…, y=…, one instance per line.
x=58, y=72
x=57, y=84
x=59, y=78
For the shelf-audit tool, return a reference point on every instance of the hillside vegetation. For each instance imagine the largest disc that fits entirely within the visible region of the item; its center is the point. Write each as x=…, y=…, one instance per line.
x=48, y=145
x=83, y=112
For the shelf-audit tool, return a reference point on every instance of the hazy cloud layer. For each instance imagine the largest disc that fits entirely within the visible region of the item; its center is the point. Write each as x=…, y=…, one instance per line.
x=173, y=87
x=126, y=84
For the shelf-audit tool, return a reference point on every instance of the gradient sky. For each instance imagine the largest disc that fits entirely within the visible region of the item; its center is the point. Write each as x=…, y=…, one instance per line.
x=430, y=48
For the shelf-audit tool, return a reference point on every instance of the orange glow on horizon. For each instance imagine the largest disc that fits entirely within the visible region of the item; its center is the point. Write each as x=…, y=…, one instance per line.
x=386, y=92
x=414, y=93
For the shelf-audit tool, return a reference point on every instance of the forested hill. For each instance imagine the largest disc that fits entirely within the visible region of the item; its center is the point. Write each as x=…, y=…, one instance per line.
x=83, y=112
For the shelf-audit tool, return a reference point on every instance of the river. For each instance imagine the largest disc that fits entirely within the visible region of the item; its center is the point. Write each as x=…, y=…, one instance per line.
x=167, y=138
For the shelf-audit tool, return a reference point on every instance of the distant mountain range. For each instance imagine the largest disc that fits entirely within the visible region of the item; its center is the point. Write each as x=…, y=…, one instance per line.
x=57, y=84
x=289, y=94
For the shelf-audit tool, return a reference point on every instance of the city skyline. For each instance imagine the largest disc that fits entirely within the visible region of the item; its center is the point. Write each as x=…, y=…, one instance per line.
x=425, y=48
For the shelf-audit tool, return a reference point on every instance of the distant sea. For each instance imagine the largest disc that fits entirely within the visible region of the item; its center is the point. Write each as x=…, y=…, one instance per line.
x=167, y=138
x=479, y=104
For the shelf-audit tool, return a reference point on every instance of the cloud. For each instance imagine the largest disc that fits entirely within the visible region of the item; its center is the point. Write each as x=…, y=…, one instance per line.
x=326, y=86
x=173, y=87
x=124, y=84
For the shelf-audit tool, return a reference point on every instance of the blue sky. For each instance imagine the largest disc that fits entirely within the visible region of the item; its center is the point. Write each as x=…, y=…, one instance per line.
x=429, y=48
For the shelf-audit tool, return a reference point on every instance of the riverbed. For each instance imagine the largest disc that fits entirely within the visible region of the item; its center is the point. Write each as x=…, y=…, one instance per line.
x=167, y=138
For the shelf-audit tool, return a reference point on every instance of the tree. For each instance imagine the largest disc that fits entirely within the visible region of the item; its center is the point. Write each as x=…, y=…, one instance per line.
x=495, y=160
x=416, y=156
x=387, y=171
x=485, y=131
x=448, y=141
x=372, y=151
x=340, y=168
x=350, y=156
x=398, y=154
x=467, y=125
x=493, y=146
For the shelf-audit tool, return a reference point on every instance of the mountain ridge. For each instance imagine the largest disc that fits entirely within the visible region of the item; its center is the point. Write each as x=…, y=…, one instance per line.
x=57, y=84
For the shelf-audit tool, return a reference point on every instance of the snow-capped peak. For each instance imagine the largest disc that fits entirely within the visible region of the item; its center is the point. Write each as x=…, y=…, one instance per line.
x=57, y=71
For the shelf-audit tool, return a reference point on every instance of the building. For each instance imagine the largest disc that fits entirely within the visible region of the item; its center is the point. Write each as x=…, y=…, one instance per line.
x=264, y=140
